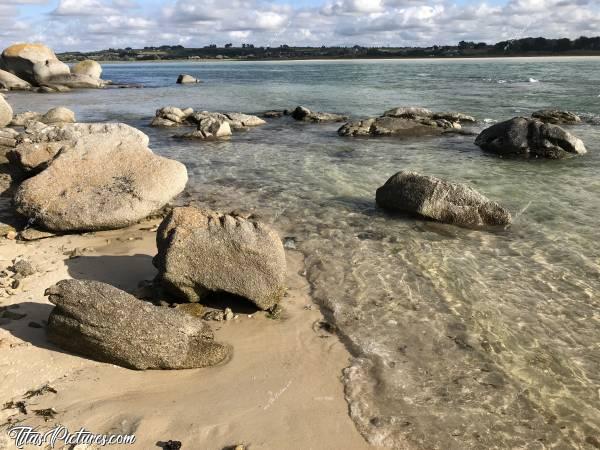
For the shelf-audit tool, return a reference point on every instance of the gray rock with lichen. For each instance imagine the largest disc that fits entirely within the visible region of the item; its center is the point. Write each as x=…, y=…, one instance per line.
x=440, y=200
x=202, y=251
x=531, y=138
x=102, y=322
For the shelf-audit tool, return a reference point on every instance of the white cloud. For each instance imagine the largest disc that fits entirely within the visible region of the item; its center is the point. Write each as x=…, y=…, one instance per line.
x=95, y=24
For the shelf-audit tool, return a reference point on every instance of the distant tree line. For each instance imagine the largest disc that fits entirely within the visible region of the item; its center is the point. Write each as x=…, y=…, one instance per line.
x=515, y=47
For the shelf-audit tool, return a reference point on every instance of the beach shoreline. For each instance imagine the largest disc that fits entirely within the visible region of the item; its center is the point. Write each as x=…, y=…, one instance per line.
x=281, y=388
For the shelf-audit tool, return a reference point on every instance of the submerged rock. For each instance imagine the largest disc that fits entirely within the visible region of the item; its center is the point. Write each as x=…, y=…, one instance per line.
x=556, y=117
x=407, y=122
x=6, y=112
x=107, y=324
x=202, y=251
x=440, y=200
x=531, y=138
x=306, y=115
x=104, y=178
x=187, y=79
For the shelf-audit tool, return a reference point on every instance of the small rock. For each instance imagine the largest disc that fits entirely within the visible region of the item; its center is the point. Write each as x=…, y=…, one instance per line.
x=11, y=235
x=23, y=267
x=33, y=234
x=193, y=309
x=228, y=314
x=171, y=445
x=289, y=242
x=34, y=325
x=16, y=284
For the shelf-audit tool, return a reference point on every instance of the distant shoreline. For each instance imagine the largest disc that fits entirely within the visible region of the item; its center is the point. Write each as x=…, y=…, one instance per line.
x=330, y=59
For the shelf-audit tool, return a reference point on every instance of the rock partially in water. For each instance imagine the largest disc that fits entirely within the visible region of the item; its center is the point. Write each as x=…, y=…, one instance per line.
x=241, y=120
x=531, y=138
x=107, y=324
x=407, y=122
x=210, y=127
x=440, y=200
x=187, y=79
x=88, y=68
x=171, y=116
x=104, y=177
x=556, y=116
x=6, y=112
x=201, y=251
x=306, y=115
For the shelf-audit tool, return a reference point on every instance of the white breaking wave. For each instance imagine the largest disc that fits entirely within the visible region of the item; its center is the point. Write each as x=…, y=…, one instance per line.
x=533, y=80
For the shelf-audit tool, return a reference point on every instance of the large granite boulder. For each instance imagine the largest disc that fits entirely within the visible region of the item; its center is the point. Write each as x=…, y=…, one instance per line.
x=88, y=68
x=440, y=200
x=200, y=252
x=407, y=122
x=34, y=63
x=38, y=144
x=6, y=113
x=531, y=138
x=306, y=115
x=99, y=180
x=104, y=323
x=556, y=116
x=13, y=82
x=187, y=79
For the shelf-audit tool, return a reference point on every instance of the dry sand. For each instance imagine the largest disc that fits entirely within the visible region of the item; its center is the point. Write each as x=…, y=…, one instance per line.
x=280, y=390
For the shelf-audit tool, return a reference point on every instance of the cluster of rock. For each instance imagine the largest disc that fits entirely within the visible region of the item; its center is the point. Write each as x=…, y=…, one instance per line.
x=531, y=138
x=35, y=66
x=407, y=122
x=199, y=252
x=306, y=115
x=556, y=116
x=440, y=200
x=209, y=125
x=12, y=277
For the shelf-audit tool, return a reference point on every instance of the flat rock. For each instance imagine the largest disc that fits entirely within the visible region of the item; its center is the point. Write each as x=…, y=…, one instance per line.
x=99, y=180
x=440, y=200
x=202, y=251
x=104, y=323
x=530, y=138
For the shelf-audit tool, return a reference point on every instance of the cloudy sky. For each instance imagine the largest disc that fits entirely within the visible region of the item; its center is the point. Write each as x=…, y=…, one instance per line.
x=98, y=24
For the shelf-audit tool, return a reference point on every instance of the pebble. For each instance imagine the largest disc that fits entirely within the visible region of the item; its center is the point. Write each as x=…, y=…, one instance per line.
x=23, y=268
x=11, y=235
x=34, y=325
x=228, y=314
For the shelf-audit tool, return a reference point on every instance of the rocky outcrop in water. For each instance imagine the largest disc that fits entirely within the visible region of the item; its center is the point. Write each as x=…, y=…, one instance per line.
x=187, y=79
x=104, y=323
x=407, y=122
x=201, y=251
x=556, y=116
x=208, y=124
x=37, y=65
x=531, y=138
x=440, y=200
x=6, y=112
x=171, y=116
x=98, y=176
x=306, y=115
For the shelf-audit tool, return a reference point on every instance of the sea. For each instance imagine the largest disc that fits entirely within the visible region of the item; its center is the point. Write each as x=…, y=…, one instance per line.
x=460, y=338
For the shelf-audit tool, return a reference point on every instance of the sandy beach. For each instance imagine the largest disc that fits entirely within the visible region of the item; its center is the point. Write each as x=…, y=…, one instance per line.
x=280, y=389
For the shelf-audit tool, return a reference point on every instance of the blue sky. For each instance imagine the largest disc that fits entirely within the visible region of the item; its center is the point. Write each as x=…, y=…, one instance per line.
x=96, y=24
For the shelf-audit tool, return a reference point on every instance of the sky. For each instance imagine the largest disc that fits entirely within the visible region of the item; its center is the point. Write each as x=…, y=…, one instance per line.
x=84, y=25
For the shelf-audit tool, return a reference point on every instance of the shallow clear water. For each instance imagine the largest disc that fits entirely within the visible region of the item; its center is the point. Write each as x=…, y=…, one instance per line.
x=463, y=339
